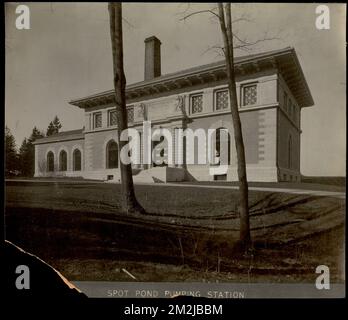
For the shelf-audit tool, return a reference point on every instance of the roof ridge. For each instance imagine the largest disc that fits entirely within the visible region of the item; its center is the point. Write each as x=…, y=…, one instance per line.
x=59, y=135
x=64, y=132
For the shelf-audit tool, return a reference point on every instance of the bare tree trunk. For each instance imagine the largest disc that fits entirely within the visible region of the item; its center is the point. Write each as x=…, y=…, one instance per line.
x=130, y=203
x=226, y=29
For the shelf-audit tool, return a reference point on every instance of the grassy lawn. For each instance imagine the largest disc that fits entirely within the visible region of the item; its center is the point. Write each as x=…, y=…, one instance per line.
x=188, y=234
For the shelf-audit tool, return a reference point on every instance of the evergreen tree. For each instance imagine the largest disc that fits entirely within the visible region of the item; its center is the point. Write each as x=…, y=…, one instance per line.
x=24, y=158
x=54, y=126
x=36, y=133
x=27, y=153
x=11, y=158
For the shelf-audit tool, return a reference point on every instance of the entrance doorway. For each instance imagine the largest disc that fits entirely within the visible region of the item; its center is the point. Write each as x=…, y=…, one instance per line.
x=161, y=153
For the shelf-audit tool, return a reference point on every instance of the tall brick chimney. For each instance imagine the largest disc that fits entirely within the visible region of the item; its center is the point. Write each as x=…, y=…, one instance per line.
x=152, y=58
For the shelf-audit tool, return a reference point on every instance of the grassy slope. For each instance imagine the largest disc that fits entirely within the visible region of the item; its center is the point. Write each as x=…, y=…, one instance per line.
x=78, y=229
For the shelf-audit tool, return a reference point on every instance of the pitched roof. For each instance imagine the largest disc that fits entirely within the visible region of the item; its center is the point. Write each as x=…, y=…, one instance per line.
x=204, y=67
x=62, y=136
x=285, y=59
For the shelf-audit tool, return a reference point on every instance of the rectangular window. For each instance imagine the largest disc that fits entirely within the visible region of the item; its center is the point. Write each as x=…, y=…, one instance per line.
x=112, y=117
x=220, y=177
x=97, y=120
x=221, y=100
x=249, y=94
x=196, y=103
x=290, y=108
x=130, y=114
x=285, y=101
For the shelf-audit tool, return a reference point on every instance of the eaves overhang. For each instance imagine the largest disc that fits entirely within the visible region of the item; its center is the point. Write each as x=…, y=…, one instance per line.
x=285, y=60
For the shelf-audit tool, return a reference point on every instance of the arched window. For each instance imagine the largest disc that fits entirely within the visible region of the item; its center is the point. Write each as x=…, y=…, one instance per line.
x=111, y=155
x=63, y=161
x=77, y=160
x=50, y=161
x=161, y=153
x=290, y=152
x=218, y=143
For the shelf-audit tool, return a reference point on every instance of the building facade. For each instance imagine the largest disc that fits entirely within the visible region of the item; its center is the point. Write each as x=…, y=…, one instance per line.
x=271, y=90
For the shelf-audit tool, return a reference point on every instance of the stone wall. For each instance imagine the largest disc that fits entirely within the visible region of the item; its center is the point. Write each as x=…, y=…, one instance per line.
x=41, y=151
x=266, y=126
x=288, y=157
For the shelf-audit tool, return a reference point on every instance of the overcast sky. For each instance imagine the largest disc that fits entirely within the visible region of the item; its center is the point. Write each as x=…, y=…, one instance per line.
x=67, y=54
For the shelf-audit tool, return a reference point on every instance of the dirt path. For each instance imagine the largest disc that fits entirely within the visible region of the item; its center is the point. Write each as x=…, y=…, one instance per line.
x=319, y=193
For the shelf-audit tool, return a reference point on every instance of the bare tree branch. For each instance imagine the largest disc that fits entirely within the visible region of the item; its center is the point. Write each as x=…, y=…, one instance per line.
x=245, y=43
x=198, y=12
x=242, y=44
x=185, y=11
x=220, y=50
x=242, y=18
x=215, y=48
x=243, y=48
x=257, y=41
x=239, y=39
x=128, y=23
